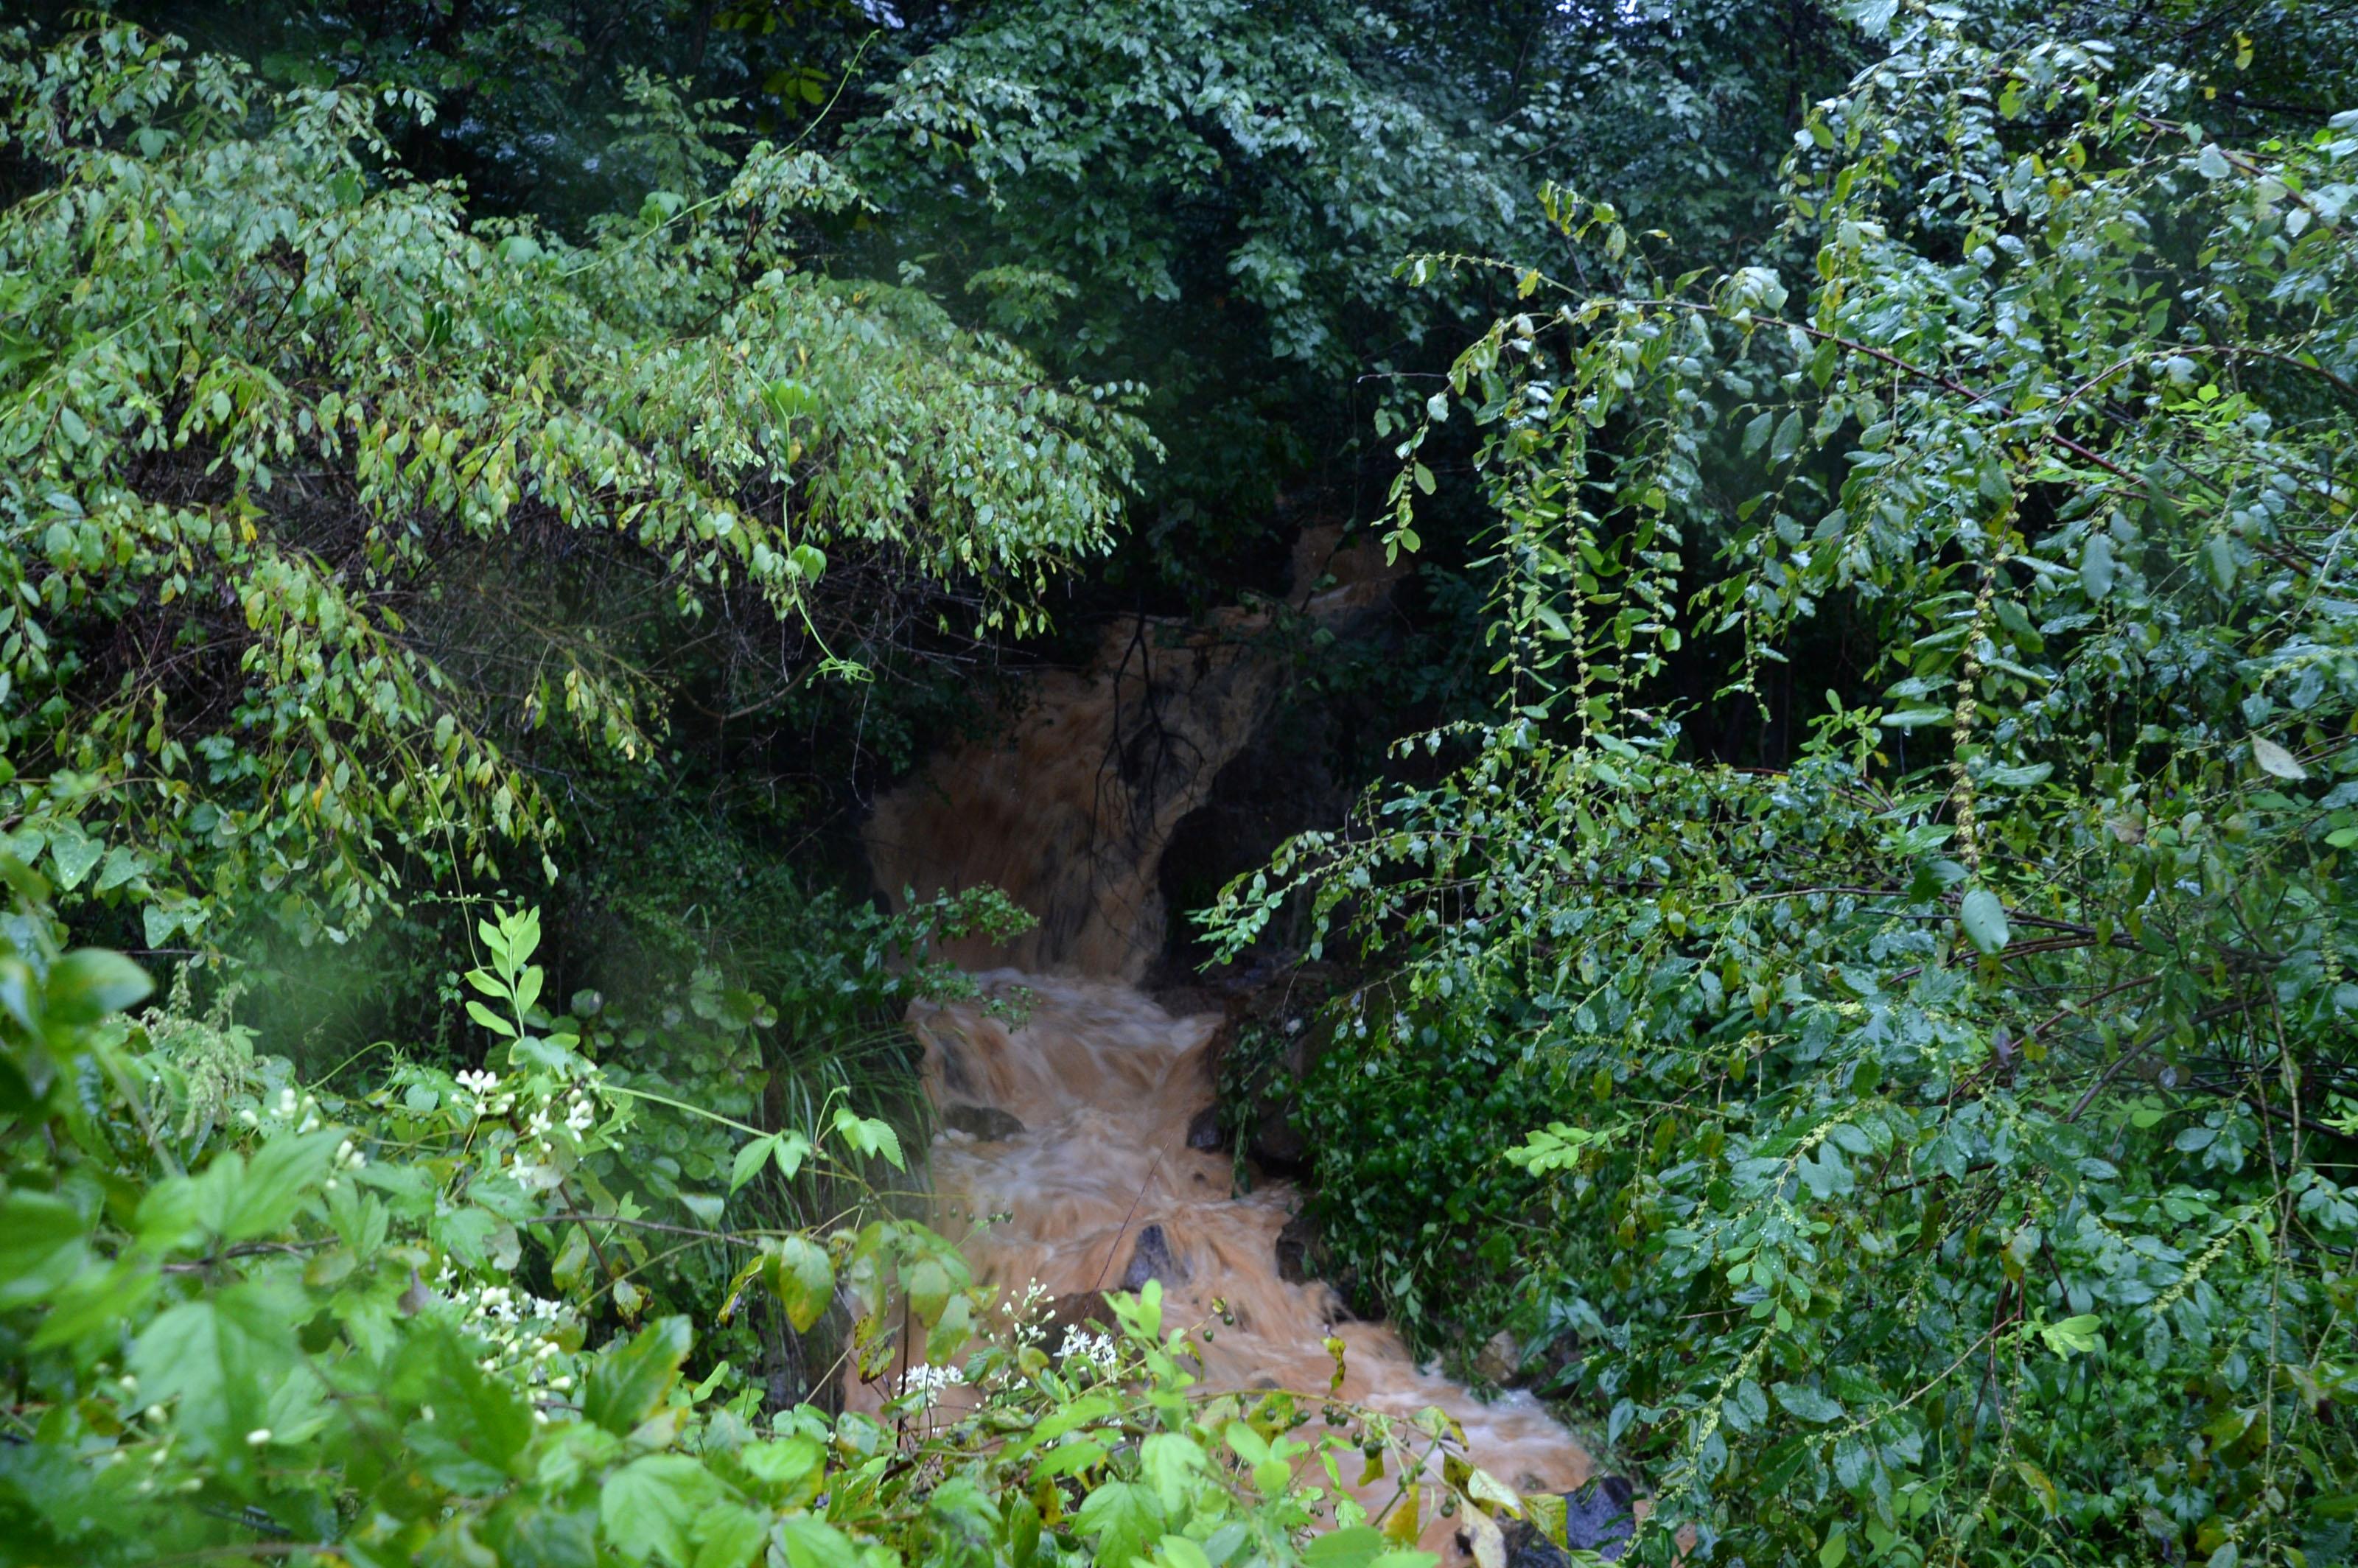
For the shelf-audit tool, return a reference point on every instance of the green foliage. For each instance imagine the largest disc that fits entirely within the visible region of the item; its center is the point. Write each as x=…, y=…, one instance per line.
x=288, y=442
x=286, y=1325
x=1214, y=198
x=1333, y=173
x=1393, y=1149
x=1940, y=1149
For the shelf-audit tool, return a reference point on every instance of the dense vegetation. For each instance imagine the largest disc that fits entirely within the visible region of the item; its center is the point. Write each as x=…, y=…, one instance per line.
x=1850, y=963
x=1938, y=1147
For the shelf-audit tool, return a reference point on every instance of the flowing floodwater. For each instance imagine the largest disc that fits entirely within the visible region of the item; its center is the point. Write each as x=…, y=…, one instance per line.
x=1101, y=1189
x=1087, y=1163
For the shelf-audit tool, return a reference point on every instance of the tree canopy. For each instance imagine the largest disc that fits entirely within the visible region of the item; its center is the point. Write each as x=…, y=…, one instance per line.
x=286, y=430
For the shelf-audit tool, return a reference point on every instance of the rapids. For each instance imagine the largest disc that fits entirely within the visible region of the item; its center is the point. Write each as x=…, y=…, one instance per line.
x=1105, y=1083
x=1068, y=811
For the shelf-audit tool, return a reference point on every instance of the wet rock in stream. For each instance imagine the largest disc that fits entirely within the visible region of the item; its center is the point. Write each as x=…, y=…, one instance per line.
x=1500, y=1360
x=986, y=1122
x=1598, y=1518
x=1300, y=1255
x=1204, y=1130
x=1152, y=1260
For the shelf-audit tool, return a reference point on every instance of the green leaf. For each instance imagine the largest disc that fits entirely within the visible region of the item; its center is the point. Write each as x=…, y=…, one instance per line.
x=2097, y=565
x=1353, y=1547
x=869, y=1136
x=791, y=1149
x=91, y=983
x=42, y=1244
x=627, y=1381
x=1874, y=18
x=1807, y=1402
x=1121, y=1517
x=221, y=1357
x=279, y=1176
x=748, y=1160
x=1170, y=1463
x=650, y=1507
x=1826, y=1176
x=814, y=1543
x=73, y=853
x=478, y=1426
x=1023, y=1530
x=2219, y=561
x=789, y=399
x=1178, y=1551
x=465, y=1234
x=730, y=1535
x=1788, y=439
x=1756, y=433
x=158, y=922
x=928, y=1287
x=95, y=1304
x=790, y=1467
x=2073, y=1335
x=123, y=863
x=1984, y=918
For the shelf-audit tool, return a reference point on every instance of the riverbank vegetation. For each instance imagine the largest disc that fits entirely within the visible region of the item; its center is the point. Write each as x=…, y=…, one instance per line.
x=1845, y=969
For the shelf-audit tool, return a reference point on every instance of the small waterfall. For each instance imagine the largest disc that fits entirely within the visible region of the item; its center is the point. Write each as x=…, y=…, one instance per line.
x=1068, y=811
x=1101, y=1187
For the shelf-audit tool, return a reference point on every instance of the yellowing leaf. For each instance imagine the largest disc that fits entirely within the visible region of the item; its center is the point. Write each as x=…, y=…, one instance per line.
x=1488, y=1541
x=803, y=1278
x=2275, y=759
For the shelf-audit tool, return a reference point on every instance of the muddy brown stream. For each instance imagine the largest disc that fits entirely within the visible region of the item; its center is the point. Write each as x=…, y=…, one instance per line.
x=1100, y=1184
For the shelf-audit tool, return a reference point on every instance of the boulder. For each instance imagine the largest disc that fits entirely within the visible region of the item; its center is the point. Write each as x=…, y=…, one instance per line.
x=1501, y=1359
x=1598, y=1518
x=1152, y=1259
x=1273, y=1143
x=1204, y=1130
x=986, y=1122
x=1301, y=1256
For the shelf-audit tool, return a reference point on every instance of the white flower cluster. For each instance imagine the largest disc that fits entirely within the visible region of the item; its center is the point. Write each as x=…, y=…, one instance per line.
x=1029, y=1316
x=348, y=1157
x=1098, y=1349
x=927, y=1382
x=478, y=1095
x=522, y=1329
x=531, y=1158
x=501, y=1304
x=581, y=1115
x=285, y=1108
